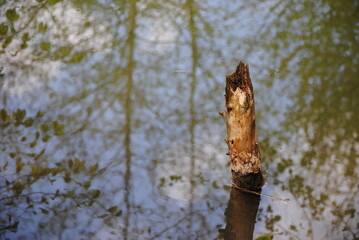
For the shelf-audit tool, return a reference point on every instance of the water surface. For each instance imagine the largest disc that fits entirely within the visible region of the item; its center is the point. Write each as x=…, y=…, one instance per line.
x=110, y=126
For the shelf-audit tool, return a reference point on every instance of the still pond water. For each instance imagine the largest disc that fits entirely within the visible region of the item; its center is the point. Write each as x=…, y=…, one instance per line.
x=110, y=128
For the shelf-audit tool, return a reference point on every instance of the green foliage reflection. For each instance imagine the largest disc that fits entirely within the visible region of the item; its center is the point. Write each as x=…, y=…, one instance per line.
x=25, y=166
x=316, y=54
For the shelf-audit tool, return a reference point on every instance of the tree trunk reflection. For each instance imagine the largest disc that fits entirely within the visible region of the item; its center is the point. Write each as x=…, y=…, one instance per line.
x=128, y=111
x=192, y=122
x=241, y=215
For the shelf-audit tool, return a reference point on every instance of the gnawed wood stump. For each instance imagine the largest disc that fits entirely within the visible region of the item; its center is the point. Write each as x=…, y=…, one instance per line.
x=243, y=149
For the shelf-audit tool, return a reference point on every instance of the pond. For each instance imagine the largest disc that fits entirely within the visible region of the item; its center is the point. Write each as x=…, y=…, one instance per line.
x=110, y=128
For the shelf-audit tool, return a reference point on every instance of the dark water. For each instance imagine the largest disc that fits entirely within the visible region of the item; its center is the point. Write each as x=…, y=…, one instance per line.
x=110, y=126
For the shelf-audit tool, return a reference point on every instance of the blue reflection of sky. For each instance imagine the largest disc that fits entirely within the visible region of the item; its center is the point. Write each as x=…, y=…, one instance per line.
x=160, y=133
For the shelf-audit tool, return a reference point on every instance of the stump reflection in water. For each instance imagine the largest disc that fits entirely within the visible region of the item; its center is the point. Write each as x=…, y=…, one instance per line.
x=241, y=215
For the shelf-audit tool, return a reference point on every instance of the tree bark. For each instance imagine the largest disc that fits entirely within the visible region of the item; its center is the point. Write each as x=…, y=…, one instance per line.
x=244, y=154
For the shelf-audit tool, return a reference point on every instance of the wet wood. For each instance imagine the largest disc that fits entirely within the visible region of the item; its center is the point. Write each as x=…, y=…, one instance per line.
x=243, y=149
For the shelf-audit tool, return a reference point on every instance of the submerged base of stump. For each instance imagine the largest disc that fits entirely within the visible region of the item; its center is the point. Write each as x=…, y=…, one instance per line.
x=251, y=181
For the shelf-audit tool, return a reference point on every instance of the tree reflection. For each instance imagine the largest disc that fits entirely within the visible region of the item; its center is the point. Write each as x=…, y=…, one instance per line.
x=128, y=109
x=316, y=46
x=27, y=175
x=138, y=85
x=241, y=215
x=192, y=122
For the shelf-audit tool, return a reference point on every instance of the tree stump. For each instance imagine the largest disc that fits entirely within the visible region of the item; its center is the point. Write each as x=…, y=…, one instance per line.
x=243, y=149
